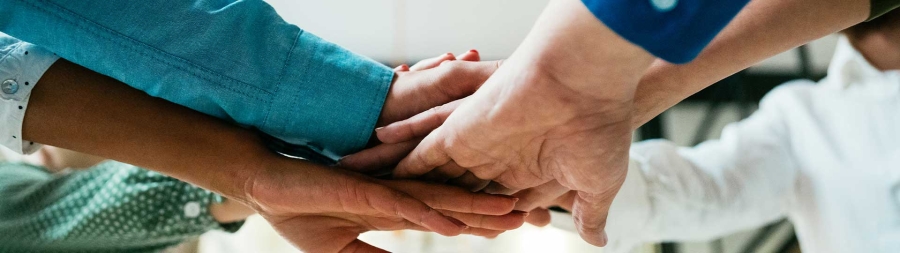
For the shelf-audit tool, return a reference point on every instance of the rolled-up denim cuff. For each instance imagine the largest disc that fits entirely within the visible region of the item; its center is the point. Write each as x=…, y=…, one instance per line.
x=328, y=98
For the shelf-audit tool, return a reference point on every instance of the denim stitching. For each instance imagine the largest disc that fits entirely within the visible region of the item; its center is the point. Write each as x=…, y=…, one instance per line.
x=306, y=69
x=138, y=45
x=281, y=77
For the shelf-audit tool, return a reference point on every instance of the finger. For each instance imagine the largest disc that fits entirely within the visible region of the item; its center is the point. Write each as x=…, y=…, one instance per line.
x=381, y=158
x=435, y=176
x=464, y=78
x=487, y=233
x=566, y=201
x=454, y=199
x=447, y=171
x=395, y=203
x=402, y=68
x=428, y=155
x=542, y=195
x=508, y=221
x=418, y=125
x=318, y=233
x=497, y=188
x=470, y=182
x=483, y=232
x=432, y=62
x=590, y=212
x=357, y=246
x=471, y=55
x=539, y=217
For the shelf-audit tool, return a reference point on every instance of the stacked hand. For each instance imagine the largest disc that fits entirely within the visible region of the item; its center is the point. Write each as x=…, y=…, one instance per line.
x=555, y=117
x=323, y=209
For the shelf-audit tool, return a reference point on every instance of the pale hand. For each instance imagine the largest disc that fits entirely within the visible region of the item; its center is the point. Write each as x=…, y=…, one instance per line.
x=558, y=110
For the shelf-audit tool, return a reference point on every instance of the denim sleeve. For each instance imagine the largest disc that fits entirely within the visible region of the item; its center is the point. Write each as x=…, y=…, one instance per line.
x=235, y=60
x=673, y=30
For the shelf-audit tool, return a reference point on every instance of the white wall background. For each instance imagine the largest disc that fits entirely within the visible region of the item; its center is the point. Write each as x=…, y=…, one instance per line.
x=405, y=31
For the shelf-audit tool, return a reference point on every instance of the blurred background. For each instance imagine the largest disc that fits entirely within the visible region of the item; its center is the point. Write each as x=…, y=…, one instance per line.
x=399, y=31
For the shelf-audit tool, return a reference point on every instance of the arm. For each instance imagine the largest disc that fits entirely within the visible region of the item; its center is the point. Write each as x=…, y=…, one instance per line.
x=110, y=207
x=238, y=61
x=81, y=110
x=764, y=28
x=743, y=180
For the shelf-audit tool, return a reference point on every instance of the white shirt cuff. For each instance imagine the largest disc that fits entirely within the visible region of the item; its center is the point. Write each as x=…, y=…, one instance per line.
x=630, y=212
x=21, y=66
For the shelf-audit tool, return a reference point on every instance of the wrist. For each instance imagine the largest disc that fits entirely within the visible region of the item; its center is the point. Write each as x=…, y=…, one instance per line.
x=234, y=167
x=571, y=45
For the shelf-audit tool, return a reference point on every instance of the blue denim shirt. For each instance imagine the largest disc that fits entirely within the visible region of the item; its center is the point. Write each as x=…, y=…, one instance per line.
x=236, y=60
x=674, y=30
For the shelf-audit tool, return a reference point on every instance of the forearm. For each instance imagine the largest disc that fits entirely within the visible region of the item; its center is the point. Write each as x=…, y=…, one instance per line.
x=578, y=49
x=234, y=60
x=764, y=28
x=81, y=110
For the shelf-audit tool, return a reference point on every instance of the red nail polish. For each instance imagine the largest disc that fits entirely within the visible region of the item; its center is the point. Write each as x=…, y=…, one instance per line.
x=473, y=51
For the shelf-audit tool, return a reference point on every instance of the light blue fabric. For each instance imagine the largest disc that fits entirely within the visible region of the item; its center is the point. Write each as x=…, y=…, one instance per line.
x=236, y=60
x=673, y=30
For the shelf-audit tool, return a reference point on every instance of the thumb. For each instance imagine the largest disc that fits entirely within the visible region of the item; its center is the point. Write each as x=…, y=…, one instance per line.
x=590, y=212
x=378, y=159
x=428, y=155
x=417, y=126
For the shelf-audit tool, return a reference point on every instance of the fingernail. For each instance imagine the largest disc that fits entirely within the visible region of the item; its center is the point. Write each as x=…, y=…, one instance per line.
x=473, y=51
x=605, y=238
x=458, y=223
x=379, y=129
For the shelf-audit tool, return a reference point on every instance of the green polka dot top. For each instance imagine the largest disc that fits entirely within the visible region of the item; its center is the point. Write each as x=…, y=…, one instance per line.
x=112, y=207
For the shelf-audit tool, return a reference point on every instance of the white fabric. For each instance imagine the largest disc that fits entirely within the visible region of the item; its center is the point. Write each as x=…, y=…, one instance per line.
x=825, y=156
x=24, y=64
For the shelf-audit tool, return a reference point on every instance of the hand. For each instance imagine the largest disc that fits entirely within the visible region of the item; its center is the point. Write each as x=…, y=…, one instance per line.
x=558, y=110
x=414, y=91
x=322, y=209
x=434, y=82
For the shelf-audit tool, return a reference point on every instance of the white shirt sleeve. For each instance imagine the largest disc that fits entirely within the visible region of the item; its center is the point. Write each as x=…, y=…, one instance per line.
x=21, y=66
x=741, y=181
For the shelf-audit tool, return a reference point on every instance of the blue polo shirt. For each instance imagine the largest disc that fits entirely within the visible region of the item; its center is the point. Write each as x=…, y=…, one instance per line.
x=674, y=30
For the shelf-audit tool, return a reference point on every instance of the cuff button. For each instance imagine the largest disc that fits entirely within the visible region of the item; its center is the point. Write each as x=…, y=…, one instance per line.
x=10, y=86
x=664, y=5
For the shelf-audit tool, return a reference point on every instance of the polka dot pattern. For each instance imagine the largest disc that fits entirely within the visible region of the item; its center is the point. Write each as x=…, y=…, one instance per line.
x=113, y=207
